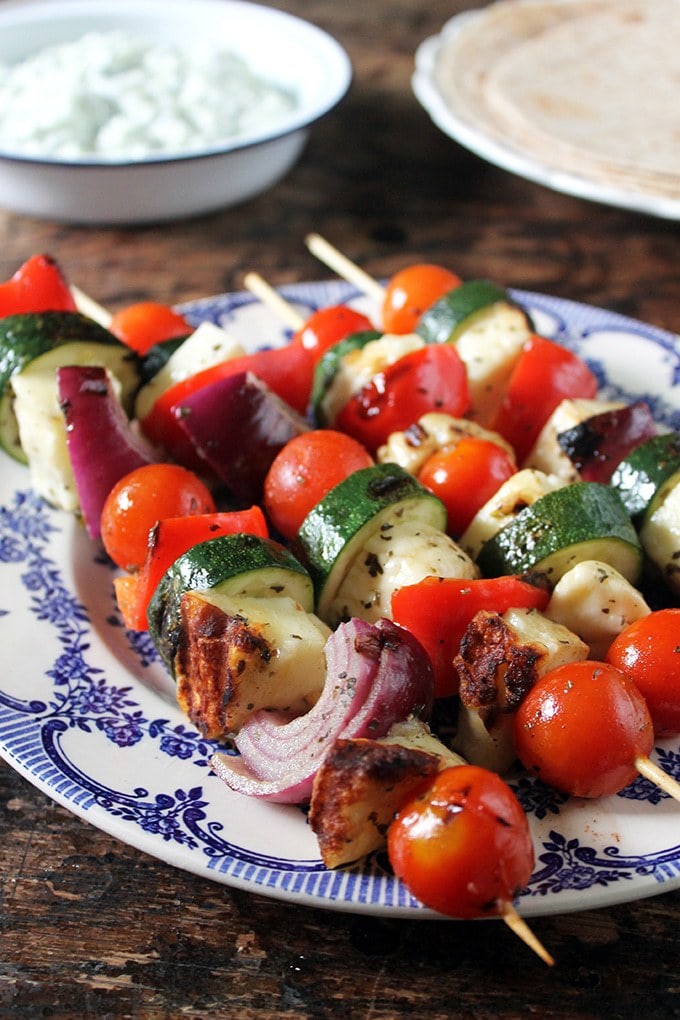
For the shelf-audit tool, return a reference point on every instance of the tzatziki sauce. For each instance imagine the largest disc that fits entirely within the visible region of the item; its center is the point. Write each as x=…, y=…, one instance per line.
x=115, y=96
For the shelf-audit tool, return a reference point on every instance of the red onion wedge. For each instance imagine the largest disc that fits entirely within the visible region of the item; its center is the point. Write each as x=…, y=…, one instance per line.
x=377, y=674
x=103, y=445
x=238, y=425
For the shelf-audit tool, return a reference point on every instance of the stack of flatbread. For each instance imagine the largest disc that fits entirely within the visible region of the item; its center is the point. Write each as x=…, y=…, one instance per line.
x=591, y=87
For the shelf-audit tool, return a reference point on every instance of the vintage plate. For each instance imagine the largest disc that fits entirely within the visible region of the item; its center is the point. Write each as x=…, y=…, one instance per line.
x=453, y=118
x=88, y=715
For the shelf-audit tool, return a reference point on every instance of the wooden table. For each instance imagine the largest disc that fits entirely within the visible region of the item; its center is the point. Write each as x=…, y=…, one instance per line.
x=91, y=927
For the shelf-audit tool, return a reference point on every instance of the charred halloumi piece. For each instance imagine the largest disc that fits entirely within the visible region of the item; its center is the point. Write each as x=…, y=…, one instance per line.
x=238, y=655
x=520, y=491
x=547, y=455
x=501, y=657
x=363, y=783
x=596, y=602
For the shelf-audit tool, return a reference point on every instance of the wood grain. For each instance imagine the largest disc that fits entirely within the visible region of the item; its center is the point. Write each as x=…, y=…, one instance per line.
x=92, y=928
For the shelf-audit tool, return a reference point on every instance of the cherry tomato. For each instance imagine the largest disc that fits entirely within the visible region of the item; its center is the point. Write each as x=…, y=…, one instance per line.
x=581, y=727
x=545, y=374
x=142, y=498
x=411, y=291
x=432, y=378
x=465, y=476
x=146, y=323
x=648, y=651
x=328, y=326
x=37, y=286
x=304, y=471
x=463, y=846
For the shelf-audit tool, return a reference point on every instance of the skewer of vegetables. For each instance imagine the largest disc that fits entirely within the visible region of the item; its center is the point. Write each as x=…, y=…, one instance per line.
x=492, y=531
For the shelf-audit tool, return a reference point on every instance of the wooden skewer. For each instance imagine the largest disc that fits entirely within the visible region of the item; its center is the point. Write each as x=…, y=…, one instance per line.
x=650, y=770
x=347, y=270
x=272, y=299
x=520, y=928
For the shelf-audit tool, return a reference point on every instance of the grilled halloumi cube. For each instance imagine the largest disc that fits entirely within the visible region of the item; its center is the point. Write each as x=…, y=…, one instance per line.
x=547, y=454
x=208, y=345
x=501, y=657
x=596, y=602
x=238, y=655
x=489, y=349
x=363, y=783
x=391, y=559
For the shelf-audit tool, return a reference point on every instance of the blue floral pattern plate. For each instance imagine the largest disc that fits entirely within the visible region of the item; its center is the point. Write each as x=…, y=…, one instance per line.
x=88, y=715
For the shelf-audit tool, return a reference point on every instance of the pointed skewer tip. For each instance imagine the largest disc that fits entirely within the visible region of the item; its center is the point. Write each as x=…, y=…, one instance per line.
x=519, y=927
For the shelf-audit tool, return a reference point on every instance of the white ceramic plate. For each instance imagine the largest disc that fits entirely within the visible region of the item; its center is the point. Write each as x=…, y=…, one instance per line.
x=88, y=715
x=475, y=136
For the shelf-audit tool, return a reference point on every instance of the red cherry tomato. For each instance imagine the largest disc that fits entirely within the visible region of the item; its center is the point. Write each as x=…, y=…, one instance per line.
x=432, y=378
x=648, y=651
x=304, y=471
x=581, y=727
x=141, y=498
x=465, y=476
x=146, y=323
x=37, y=286
x=411, y=291
x=463, y=846
x=328, y=326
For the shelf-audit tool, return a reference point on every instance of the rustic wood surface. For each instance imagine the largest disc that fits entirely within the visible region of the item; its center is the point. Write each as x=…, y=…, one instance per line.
x=92, y=928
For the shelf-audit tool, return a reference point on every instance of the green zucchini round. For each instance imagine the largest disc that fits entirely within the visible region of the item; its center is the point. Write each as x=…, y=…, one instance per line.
x=583, y=521
x=640, y=475
x=42, y=342
x=456, y=310
x=336, y=529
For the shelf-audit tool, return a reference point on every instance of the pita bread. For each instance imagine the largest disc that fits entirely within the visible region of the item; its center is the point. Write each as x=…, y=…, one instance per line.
x=585, y=86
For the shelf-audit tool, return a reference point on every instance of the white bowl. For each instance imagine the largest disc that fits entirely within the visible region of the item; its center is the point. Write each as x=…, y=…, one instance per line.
x=275, y=45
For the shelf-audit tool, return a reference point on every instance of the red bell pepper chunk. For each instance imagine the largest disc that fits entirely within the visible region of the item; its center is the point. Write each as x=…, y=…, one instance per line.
x=545, y=374
x=287, y=371
x=438, y=610
x=432, y=378
x=169, y=540
x=37, y=286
